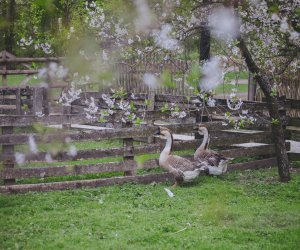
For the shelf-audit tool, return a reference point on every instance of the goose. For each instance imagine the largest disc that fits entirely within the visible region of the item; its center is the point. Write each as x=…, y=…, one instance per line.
x=205, y=158
x=183, y=169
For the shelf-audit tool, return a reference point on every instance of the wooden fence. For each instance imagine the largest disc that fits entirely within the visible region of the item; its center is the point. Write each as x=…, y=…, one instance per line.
x=14, y=123
x=130, y=72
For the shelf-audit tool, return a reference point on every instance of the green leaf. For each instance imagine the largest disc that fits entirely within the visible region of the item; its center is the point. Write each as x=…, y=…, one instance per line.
x=166, y=79
x=194, y=75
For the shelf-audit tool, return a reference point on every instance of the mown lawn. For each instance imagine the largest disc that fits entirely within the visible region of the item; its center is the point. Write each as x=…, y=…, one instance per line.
x=241, y=210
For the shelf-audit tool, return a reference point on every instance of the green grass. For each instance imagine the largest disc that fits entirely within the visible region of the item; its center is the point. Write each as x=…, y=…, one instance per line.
x=239, y=74
x=15, y=80
x=241, y=210
x=227, y=88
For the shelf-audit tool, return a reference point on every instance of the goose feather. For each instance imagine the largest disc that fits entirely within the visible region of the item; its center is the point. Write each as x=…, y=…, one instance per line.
x=183, y=169
x=205, y=158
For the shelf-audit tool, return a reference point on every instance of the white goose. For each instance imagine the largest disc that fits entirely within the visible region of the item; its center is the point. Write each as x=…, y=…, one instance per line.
x=205, y=158
x=183, y=169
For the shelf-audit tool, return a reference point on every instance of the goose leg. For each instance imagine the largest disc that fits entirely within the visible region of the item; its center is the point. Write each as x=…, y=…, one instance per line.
x=175, y=184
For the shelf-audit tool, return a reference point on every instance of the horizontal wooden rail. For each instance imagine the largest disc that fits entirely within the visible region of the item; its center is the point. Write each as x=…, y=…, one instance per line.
x=13, y=101
x=265, y=163
x=42, y=187
x=28, y=59
x=155, y=148
x=134, y=132
x=294, y=156
x=18, y=72
x=144, y=179
x=18, y=173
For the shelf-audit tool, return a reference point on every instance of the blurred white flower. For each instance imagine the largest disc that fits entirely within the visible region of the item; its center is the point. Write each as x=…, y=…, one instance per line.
x=144, y=17
x=150, y=80
x=224, y=24
x=212, y=74
x=163, y=39
x=72, y=151
x=48, y=157
x=32, y=144
x=20, y=158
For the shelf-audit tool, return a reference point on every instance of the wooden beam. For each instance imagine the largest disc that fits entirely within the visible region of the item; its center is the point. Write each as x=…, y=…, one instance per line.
x=18, y=173
x=18, y=72
x=28, y=59
x=42, y=187
x=8, y=149
x=265, y=163
x=294, y=156
x=135, y=132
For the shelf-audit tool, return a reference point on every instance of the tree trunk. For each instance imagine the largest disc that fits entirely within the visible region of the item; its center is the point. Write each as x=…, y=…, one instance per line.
x=9, y=34
x=204, y=45
x=273, y=106
x=278, y=138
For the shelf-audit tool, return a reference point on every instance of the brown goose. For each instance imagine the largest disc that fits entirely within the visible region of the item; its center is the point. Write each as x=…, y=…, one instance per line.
x=183, y=169
x=205, y=158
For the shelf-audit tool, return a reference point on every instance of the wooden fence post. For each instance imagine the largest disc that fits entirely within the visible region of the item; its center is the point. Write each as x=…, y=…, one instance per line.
x=128, y=156
x=8, y=149
x=45, y=93
x=251, y=88
x=37, y=105
x=151, y=107
x=4, y=68
x=18, y=101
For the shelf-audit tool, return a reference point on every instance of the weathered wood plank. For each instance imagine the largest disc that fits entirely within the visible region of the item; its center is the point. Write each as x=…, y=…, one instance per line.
x=8, y=149
x=42, y=187
x=294, y=104
x=135, y=132
x=18, y=173
x=37, y=100
x=294, y=156
x=265, y=163
x=293, y=121
x=29, y=59
x=254, y=151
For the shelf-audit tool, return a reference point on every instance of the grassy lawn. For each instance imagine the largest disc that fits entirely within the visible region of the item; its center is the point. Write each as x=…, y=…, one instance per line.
x=241, y=210
x=226, y=88
x=15, y=80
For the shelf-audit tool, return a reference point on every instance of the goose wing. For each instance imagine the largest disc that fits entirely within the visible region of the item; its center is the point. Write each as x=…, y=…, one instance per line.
x=180, y=164
x=209, y=157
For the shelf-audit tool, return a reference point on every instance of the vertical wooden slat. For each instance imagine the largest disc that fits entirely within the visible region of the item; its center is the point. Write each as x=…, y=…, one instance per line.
x=4, y=67
x=18, y=101
x=8, y=149
x=45, y=93
x=128, y=156
x=152, y=98
x=37, y=100
x=251, y=88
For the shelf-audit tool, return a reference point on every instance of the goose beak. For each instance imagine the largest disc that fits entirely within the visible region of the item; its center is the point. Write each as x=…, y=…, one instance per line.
x=157, y=132
x=196, y=128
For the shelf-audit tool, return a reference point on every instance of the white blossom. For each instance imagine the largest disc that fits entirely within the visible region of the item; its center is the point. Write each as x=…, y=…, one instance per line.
x=163, y=39
x=150, y=80
x=72, y=151
x=224, y=24
x=92, y=109
x=48, y=157
x=144, y=17
x=20, y=158
x=39, y=114
x=211, y=102
x=32, y=144
x=212, y=74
